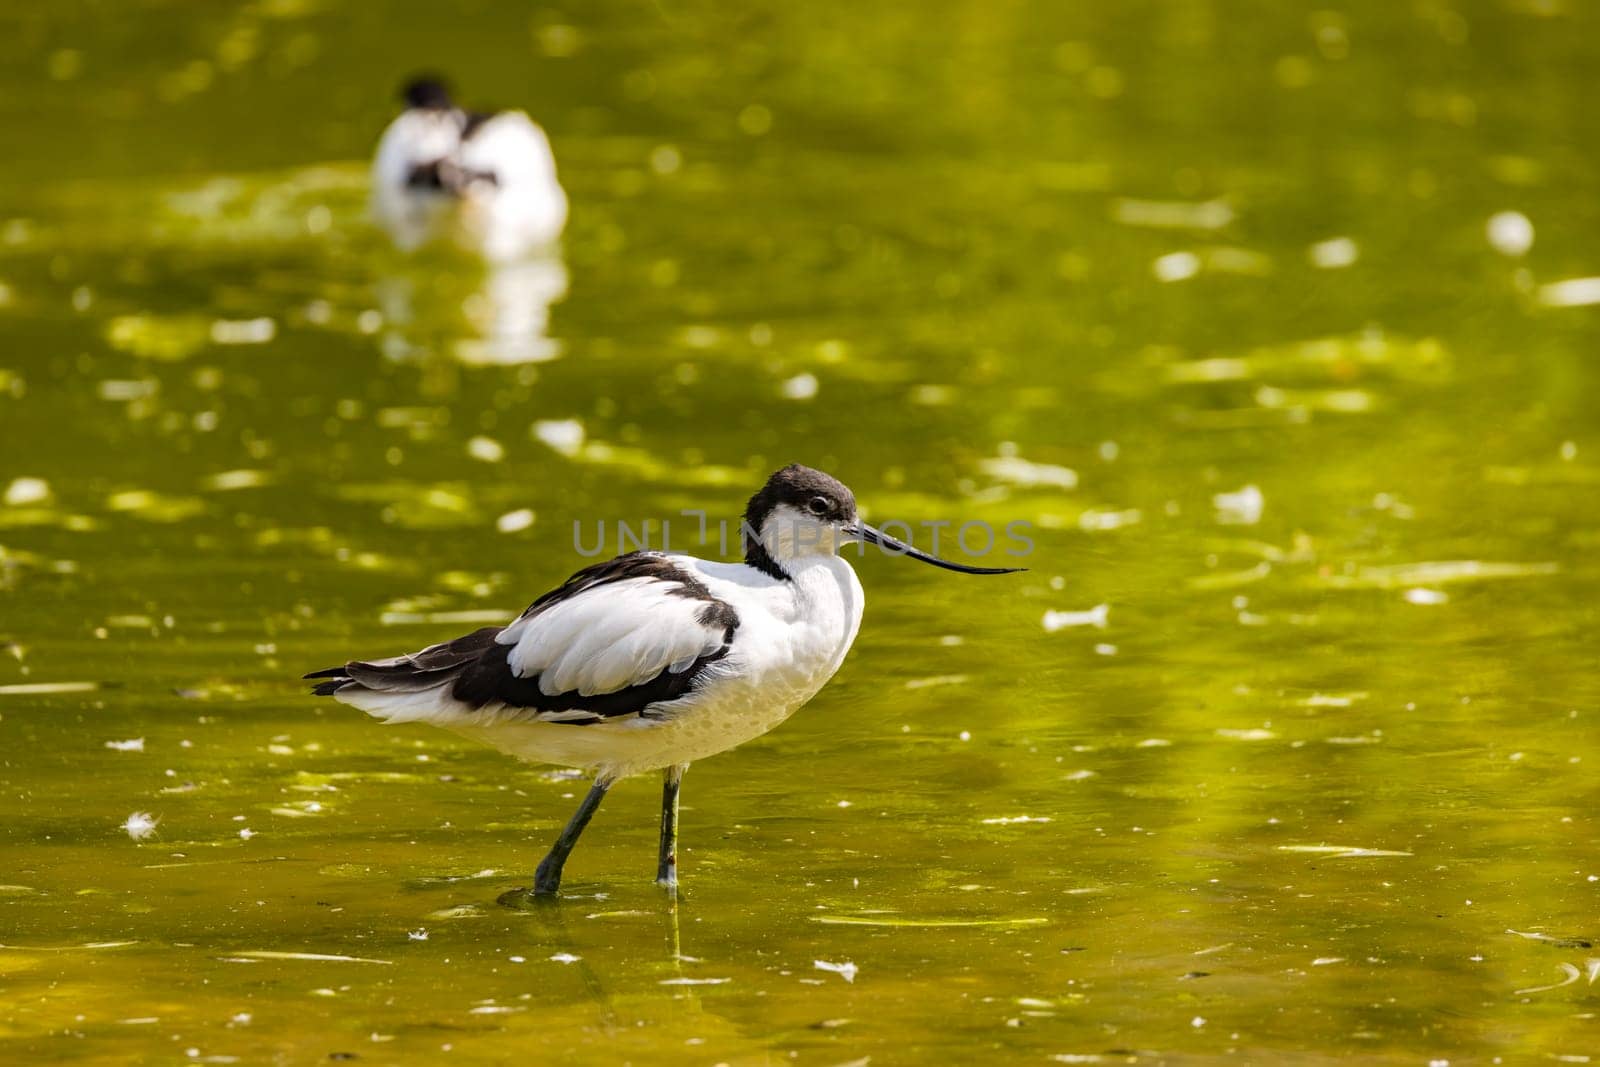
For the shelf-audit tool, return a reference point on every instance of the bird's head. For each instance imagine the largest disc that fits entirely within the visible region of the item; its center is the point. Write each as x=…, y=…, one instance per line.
x=803, y=512
x=427, y=93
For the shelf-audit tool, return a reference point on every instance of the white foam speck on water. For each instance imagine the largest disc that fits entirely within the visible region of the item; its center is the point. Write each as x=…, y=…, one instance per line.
x=1096, y=616
x=308, y=957
x=92, y=946
x=140, y=825
x=695, y=981
x=1175, y=266
x=224, y=481
x=700, y=336
x=1323, y=961
x=1422, y=596
x=938, y=679
x=1172, y=214
x=845, y=970
x=1510, y=233
x=243, y=331
x=1433, y=572
x=1332, y=700
x=46, y=688
x=1096, y=520
x=800, y=387
x=930, y=395
x=23, y=492
x=566, y=436
x=127, y=389
x=892, y=921
x=1212, y=369
x=1015, y=820
x=417, y=935
x=515, y=521
x=486, y=449
x=1342, y=852
x=1300, y=401
x=1252, y=734
x=1217, y=259
x=1334, y=253
x=1570, y=293
x=1014, y=470
x=1241, y=507
x=132, y=744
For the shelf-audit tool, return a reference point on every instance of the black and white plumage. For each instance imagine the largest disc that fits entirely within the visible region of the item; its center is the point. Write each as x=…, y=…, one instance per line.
x=616, y=639
x=649, y=661
x=487, y=179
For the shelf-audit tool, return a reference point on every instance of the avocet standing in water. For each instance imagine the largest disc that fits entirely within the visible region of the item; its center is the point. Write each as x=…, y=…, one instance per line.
x=487, y=179
x=649, y=661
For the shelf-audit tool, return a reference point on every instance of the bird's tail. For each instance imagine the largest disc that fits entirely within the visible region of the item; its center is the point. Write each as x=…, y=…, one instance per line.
x=338, y=678
x=406, y=687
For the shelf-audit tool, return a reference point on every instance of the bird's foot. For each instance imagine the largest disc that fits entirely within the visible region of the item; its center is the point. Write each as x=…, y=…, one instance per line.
x=668, y=881
x=523, y=899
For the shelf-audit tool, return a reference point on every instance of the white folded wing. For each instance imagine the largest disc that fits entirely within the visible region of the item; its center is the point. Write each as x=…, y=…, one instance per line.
x=526, y=207
x=611, y=636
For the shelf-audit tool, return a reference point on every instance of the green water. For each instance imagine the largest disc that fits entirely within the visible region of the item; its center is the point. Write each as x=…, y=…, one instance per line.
x=1322, y=786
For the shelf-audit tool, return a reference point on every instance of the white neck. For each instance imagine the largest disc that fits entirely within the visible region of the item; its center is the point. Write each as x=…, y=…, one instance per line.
x=790, y=536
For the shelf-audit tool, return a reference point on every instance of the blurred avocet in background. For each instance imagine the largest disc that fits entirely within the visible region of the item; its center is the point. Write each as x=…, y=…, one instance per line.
x=487, y=180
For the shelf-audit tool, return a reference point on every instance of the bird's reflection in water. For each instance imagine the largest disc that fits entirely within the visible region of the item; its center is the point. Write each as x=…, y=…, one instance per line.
x=557, y=941
x=511, y=313
x=504, y=319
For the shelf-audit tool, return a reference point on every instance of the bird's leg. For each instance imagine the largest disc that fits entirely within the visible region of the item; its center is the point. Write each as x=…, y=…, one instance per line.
x=667, y=867
x=547, y=879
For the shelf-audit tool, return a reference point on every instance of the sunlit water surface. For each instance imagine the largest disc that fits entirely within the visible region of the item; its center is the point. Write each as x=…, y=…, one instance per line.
x=1235, y=305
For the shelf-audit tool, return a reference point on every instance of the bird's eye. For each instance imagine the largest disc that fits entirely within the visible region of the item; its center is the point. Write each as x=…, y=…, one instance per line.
x=819, y=506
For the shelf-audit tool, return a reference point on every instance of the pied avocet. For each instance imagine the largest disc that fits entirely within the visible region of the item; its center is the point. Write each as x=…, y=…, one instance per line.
x=488, y=179
x=649, y=661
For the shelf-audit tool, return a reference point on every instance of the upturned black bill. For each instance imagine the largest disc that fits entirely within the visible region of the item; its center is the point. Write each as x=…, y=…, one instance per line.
x=860, y=531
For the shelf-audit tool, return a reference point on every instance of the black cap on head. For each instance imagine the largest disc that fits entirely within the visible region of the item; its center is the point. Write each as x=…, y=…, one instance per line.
x=810, y=492
x=427, y=92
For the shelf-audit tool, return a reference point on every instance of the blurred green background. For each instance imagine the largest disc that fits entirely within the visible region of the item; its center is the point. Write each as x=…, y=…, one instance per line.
x=1270, y=318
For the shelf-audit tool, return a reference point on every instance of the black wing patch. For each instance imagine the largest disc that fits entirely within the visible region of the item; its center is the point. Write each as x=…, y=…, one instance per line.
x=478, y=673
x=473, y=122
